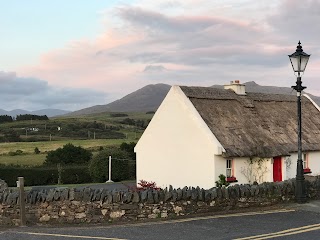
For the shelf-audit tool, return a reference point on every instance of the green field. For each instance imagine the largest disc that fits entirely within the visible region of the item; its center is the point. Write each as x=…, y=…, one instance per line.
x=28, y=147
x=48, y=130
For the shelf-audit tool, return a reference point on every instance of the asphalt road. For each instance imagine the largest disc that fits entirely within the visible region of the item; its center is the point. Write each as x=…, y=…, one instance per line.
x=291, y=222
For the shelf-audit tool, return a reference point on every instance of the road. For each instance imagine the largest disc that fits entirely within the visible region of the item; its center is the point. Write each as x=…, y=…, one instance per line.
x=292, y=222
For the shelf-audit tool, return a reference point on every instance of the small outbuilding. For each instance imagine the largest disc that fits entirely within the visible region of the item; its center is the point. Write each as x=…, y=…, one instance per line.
x=199, y=133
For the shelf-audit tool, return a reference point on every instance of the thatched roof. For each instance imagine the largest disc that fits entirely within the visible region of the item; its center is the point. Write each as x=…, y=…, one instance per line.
x=256, y=124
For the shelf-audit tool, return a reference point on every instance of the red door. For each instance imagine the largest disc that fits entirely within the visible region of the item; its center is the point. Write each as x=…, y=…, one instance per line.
x=277, y=169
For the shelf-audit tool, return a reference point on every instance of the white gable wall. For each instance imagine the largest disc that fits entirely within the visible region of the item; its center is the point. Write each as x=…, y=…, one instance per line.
x=177, y=148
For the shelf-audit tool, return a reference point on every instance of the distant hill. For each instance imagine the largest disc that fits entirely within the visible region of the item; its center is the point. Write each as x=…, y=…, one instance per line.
x=145, y=99
x=49, y=112
x=150, y=97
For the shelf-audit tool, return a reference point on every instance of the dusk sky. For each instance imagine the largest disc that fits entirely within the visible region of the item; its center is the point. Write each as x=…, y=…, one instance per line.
x=72, y=54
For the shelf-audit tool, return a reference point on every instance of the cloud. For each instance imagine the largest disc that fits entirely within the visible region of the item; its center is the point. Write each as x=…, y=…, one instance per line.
x=183, y=42
x=35, y=94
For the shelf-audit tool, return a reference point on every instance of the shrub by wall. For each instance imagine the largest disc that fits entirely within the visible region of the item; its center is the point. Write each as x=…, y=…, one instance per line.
x=35, y=176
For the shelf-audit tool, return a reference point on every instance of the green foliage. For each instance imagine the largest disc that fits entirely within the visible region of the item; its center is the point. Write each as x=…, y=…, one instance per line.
x=99, y=165
x=5, y=118
x=16, y=153
x=36, y=150
x=44, y=175
x=23, y=117
x=222, y=181
x=129, y=148
x=118, y=115
x=68, y=154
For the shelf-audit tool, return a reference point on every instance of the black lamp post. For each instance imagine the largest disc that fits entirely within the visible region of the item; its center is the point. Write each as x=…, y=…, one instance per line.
x=299, y=60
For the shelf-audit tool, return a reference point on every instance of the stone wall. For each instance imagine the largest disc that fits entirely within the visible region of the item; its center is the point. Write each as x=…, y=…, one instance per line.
x=69, y=205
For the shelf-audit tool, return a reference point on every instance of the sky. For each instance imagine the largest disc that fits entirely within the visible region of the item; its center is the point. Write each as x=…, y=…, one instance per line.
x=78, y=53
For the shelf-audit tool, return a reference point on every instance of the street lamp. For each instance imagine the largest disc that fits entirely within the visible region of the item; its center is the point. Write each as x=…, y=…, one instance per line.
x=299, y=60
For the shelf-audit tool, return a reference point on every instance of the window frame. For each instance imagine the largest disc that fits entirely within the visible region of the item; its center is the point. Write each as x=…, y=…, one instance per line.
x=230, y=171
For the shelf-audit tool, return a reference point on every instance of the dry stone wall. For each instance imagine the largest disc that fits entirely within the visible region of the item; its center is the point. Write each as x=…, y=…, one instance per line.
x=69, y=205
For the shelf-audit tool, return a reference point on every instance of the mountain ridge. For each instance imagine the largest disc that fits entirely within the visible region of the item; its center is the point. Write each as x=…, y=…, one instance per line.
x=149, y=98
x=50, y=112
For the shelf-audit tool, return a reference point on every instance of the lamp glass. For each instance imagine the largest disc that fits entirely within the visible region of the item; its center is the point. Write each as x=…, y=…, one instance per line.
x=299, y=62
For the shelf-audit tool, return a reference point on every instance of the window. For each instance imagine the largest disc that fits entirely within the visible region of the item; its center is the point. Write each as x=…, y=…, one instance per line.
x=229, y=171
x=229, y=168
x=305, y=163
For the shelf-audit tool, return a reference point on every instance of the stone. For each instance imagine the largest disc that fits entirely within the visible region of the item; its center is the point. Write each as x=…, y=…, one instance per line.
x=44, y=205
x=167, y=196
x=177, y=209
x=161, y=195
x=45, y=218
x=104, y=194
x=179, y=194
x=156, y=211
x=150, y=198
x=104, y=211
x=50, y=195
x=144, y=195
x=80, y=215
x=3, y=185
x=164, y=215
x=156, y=196
x=109, y=199
x=116, y=197
x=201, y=194
x=136, y=197
x=12, y=198
x=56, y=195
x=194, y=194
x=117, y=214
x=96, y=195
x=78, y=195
x=87, y=195
x=64, y=194
x=71, y=194
x=76, y=203
x=62, y=213
x=153, y=215
x=127, y=196
x=207, y=196
x=174, y=196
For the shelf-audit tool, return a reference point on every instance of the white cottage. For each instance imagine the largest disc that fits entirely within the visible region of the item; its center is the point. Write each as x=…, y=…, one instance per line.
x=199, y=133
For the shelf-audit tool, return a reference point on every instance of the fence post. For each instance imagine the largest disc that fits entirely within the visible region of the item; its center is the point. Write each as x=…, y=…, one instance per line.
x=22, y=202
x=109, y=180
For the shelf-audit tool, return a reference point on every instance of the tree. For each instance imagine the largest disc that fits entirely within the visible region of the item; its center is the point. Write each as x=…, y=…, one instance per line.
x=68, y=154
x=99, y=165
x=129, y=148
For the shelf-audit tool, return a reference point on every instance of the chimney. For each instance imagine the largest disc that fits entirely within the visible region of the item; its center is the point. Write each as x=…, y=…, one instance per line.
x=236, y=87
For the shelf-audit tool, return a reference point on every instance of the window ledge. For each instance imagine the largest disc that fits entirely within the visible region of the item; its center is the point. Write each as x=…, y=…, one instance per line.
x=231, y=179
x=307, y=170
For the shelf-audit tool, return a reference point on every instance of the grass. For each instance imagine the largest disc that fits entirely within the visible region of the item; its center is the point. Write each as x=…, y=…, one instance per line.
x=28, y=160
x=28, y=147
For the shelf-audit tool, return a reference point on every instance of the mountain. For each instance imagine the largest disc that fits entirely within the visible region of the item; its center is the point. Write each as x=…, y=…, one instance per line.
x=150, y=97
x=49, y=112
x=145, y=99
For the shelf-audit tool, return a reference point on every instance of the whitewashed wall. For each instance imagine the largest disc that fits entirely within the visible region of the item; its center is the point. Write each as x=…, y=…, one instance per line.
x=314, y=163
x=177, y=148
x=244, y=175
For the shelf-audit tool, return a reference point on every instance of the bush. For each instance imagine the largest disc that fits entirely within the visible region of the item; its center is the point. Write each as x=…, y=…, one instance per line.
x=99, y=165
x=68, y=154
x=222, y=181
x=129, y=148
x=36, y=150
x=16, y=153
x=44, y=175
